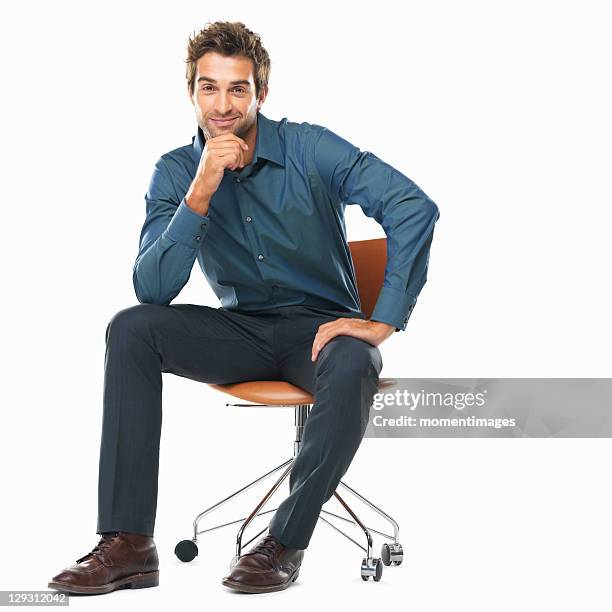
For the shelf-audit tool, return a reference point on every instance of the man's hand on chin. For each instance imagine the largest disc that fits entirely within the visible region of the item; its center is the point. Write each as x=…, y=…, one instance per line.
x=373, y=332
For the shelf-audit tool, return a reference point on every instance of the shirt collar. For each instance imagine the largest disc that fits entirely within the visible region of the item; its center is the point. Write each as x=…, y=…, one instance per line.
x=267, y=142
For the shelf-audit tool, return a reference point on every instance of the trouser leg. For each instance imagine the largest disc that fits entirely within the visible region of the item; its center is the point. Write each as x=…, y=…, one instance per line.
x=197, y=342
x=343, y=380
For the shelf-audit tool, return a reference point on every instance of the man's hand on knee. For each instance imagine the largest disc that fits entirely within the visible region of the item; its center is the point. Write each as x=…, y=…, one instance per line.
x=374, y=332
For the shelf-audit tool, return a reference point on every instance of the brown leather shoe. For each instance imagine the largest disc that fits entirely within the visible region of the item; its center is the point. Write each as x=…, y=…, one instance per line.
x=119, y=561
x=267, y=567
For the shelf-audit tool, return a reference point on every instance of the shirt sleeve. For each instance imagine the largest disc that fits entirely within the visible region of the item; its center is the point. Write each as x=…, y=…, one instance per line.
x=406, y=213
x=169, y=241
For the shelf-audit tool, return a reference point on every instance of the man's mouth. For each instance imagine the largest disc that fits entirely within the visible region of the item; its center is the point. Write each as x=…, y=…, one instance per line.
x=221, y=122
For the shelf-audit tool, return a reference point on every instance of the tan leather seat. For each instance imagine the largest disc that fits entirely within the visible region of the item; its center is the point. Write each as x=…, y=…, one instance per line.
x=277, y=392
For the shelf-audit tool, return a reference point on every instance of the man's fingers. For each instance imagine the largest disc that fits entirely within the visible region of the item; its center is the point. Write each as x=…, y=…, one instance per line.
x=228, y=160
x=226, y=146
x=229, y=147
x=318, y=346
x=235, y=158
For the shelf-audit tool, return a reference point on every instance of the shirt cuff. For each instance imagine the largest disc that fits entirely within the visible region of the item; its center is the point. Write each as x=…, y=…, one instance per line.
x=393, y=307
x=187, y=226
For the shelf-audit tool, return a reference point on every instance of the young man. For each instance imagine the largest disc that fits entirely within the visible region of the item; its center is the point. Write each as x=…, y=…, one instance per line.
x=260, y=204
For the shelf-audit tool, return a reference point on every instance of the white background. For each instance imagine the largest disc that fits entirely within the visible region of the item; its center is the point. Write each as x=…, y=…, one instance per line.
x=498, y=110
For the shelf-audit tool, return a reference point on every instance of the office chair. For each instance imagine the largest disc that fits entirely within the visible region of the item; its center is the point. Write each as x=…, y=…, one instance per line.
x=369, y=259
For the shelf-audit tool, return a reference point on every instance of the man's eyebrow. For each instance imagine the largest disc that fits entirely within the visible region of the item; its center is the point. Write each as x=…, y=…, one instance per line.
x=240, y=82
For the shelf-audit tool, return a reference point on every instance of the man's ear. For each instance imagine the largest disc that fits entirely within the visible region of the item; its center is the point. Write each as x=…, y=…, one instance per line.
x=189, y=94
x=262, y=97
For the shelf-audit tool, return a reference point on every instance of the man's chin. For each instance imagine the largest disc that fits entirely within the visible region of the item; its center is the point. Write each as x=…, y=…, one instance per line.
x=221, y=131
x=215, y=130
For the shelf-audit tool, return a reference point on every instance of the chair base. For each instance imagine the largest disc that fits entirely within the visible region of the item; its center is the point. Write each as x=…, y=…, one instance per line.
x=391, y=553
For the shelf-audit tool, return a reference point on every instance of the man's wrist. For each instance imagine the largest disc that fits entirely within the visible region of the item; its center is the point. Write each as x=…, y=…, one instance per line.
x=386, y=327
x=198, y=201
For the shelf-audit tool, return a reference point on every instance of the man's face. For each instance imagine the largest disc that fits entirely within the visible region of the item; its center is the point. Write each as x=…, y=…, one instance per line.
x=224, y=88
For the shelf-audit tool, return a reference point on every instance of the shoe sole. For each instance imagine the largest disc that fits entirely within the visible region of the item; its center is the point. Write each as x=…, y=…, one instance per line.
x=247, y=588
x=135, y=581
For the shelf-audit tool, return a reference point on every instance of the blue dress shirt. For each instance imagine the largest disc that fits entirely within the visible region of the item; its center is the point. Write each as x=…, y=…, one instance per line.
x=275, y=235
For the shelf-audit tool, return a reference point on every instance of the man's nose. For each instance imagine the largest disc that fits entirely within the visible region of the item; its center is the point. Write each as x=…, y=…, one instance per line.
x=223, y=104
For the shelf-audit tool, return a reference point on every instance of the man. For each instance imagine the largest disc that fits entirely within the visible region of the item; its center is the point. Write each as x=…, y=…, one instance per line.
x=260, y=204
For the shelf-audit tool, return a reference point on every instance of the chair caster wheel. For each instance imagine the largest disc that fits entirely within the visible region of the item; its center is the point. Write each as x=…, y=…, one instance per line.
x=392, y=554
x=371, y=567
x=186, y=550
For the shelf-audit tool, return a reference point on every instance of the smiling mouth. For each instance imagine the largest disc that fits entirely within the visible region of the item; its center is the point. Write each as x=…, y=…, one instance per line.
x=224, y=121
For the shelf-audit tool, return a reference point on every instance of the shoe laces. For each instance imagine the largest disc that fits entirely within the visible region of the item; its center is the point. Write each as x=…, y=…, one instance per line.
x=101, y=548
x=267, y=547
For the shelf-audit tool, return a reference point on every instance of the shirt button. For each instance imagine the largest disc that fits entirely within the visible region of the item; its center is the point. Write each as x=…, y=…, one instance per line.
x=196, y=237
x=203, y=225
x=237, y=180
x=248, y=219
x=260, y=256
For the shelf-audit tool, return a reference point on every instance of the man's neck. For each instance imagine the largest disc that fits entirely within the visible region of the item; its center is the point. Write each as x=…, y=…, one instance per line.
x=250, y=139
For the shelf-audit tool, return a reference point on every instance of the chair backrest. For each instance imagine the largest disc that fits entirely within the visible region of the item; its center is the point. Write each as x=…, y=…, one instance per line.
x=370, y=260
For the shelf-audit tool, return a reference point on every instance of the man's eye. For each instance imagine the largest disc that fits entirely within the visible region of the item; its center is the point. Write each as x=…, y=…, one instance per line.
x=237, y=89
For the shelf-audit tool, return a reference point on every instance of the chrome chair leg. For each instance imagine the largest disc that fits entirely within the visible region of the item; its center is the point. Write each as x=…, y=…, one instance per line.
x=187, y=550
x=255, y=513
x=391, y=554
x=342, y=518
x=377, y=510
x=223, y=501
x=370, y=566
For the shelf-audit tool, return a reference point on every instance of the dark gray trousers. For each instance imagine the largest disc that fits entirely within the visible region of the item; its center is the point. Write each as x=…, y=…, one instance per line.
x=214, y=345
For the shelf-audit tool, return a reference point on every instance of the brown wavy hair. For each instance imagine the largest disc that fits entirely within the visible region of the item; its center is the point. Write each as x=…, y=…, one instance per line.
x=228, y=38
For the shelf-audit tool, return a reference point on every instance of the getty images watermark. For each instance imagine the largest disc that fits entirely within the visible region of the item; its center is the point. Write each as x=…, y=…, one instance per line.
x=490, y=407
